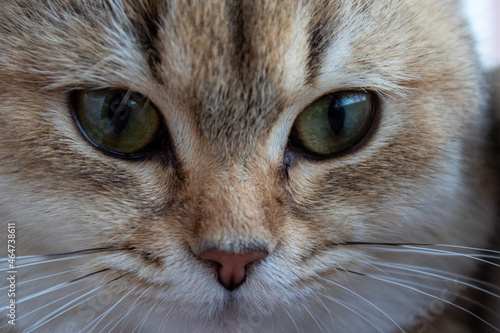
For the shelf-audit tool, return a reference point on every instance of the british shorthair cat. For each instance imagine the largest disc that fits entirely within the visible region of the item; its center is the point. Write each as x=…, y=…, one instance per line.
x=245, y=166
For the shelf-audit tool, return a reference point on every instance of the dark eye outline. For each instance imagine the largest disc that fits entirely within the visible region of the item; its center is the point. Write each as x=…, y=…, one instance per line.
x=161, y=142
x=297, y=149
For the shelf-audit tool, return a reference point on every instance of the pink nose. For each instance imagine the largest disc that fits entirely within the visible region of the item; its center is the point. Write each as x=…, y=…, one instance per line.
x=232, y=266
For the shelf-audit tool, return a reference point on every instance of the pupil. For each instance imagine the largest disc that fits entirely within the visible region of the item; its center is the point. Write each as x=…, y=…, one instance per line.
x=336, y=117
x=119, y=114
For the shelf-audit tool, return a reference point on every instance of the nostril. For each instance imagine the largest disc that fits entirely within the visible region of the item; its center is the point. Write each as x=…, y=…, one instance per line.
x=232, y=266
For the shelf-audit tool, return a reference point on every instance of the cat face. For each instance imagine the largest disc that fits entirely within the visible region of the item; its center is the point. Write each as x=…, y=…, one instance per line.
x=225, y=211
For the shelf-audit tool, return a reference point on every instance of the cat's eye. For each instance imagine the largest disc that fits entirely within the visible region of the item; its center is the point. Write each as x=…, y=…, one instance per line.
x=333, y=123
x=118, y=121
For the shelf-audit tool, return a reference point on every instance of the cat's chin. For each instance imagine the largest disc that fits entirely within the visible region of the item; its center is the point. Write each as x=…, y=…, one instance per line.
x=192, y=309
x=251, y=309
x=210, y=302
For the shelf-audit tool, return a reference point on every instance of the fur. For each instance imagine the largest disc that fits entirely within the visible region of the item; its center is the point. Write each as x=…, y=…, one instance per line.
x=229, y=78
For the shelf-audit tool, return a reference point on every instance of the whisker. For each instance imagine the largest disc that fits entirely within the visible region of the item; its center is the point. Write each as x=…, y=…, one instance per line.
x=41, y=262
x=417, y=245
x=464, y=277
x=88, y=275
x=293, y=321
x=435, y=297
x=352, y=310
x=132, y=307
x=364, y=299
x=44, y=292
x=468, y=248
x=457, y=295
x=357, y=259
x=56, y=287
x=48, y=304
x=128, y=322
x=487, y=256
x=313, y=317
x=86, y=251
x=104, y=314
x=455, y=254
x=381, y=244
x=405, y=249
x=399, y=279
x=427, y=251
x=41, y=278
x=164, y=321
x=143, y=321
x=389, y=276
x=440, y=277
x=48, y=318
x=320, y=300
x=396, y=269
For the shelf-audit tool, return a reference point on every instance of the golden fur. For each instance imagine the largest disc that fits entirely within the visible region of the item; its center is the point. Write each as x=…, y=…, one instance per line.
x=230, y=78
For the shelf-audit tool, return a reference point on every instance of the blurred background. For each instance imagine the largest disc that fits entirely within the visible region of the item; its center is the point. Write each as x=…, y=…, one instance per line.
x=484, y=18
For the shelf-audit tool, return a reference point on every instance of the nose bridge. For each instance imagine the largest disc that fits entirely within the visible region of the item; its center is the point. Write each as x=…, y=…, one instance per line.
x=230, y=211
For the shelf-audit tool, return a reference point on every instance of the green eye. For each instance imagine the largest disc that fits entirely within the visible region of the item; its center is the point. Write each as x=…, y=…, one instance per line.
x=333, y=123
x=118, y=121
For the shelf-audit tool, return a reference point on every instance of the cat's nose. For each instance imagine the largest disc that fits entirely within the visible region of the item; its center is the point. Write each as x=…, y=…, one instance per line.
x=232, y=266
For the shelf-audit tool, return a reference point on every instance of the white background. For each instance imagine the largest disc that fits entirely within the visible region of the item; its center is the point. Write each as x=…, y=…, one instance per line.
x=484, y=18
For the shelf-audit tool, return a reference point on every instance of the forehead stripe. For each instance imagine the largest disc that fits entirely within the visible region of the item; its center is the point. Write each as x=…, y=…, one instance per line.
x=320, y=32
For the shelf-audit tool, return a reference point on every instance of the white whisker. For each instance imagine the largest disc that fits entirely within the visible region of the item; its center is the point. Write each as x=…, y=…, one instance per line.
x=56, y=287
x=435, y=297
x=41, y=278
x=48, y=304
x=313, y=317
x=439, y=271
x=164, y=321
x=143, y=321
x=420, y=285
x=131, y=308
x=364, y=299
x=360, y=260
x=293, y=321
x=436, y=252
x=41, y=262
x=468, y=248
x=51, y=316
x=320, y=300
x=44, y=292
x=352, y=310
x=79, y=253
x=440, y=277
x=471, y=256
x=104, y=314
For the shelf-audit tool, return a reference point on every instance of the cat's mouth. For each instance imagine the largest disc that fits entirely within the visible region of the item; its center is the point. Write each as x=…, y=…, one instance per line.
x=195, y=291
x=224, y=273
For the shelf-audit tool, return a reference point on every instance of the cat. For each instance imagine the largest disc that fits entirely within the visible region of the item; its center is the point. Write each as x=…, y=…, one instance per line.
x=245, y=166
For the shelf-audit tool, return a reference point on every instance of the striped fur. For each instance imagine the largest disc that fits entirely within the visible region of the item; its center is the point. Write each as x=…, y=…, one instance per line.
x=229, y=78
